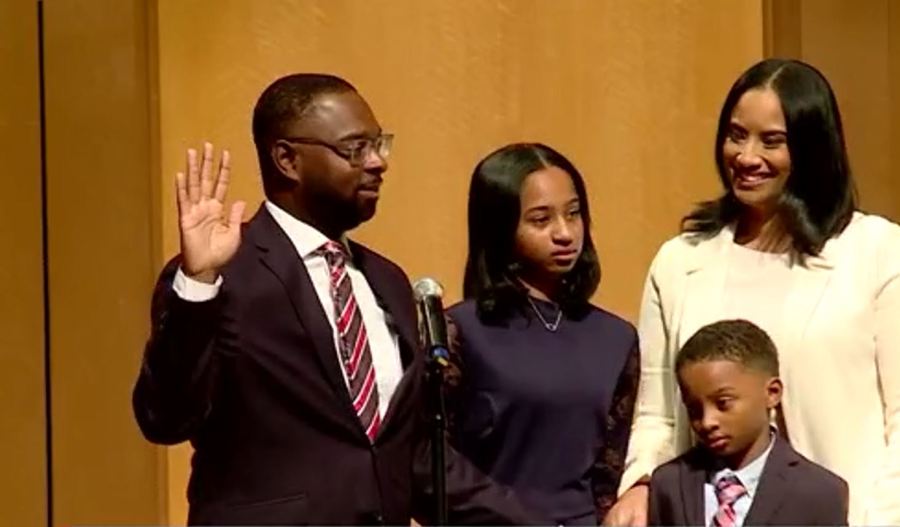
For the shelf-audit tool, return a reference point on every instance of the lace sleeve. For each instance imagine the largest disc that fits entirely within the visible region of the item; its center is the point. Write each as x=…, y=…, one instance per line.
x=610, y=461
x=453, y=375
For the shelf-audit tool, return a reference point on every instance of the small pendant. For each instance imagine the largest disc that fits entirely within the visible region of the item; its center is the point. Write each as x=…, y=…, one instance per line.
x=551, y=327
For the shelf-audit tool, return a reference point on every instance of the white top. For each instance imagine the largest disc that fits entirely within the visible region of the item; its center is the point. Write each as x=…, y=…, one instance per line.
x=306, y=240
x=756, y=281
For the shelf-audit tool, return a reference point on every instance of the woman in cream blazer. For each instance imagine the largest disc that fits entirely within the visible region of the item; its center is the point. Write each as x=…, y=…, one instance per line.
x=783, y=247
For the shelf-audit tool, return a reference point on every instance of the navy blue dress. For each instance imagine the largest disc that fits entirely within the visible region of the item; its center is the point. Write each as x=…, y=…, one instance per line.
x=545, y=413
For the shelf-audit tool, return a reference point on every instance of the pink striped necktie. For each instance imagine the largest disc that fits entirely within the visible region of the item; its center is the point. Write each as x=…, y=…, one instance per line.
x=728, y=490
x=356, y=355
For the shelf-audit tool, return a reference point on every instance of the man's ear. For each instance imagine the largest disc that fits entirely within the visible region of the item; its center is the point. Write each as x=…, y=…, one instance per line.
x=286, y=160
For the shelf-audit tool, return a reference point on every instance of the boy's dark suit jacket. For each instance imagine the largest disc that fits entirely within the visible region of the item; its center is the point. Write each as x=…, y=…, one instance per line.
x=792, y=491
x=252, y=379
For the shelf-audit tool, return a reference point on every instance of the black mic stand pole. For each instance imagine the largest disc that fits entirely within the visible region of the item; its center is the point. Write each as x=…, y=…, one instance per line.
x=437, y=360
x=433, y=331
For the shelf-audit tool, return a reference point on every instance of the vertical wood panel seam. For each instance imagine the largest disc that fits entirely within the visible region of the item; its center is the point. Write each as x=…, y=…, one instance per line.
x=45, y=268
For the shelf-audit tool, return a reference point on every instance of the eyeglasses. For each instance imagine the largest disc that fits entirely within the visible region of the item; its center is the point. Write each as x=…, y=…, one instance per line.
x=355, y=151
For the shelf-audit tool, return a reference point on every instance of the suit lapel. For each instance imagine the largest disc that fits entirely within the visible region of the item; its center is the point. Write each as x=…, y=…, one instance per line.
x=808, y=284
x=278, y=255
x=395, y=300
x=391, y=298
x=693, y=475
x=773, y=487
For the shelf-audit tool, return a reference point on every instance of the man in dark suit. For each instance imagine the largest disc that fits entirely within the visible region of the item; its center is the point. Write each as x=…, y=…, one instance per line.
x=287, y=354
x=742, y=473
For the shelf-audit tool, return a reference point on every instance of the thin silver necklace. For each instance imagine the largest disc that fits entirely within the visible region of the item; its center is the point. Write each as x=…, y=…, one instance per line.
x=551, y=327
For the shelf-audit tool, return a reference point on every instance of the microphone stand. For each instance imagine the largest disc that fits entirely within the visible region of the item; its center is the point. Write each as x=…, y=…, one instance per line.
x=433, y=333
x=436, y=360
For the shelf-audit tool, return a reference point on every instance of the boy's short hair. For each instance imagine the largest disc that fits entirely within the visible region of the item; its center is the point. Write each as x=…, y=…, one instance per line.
x=739, y=341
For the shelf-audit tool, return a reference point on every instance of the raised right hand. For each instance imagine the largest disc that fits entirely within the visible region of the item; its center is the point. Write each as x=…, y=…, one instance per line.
x=208, y=239
x=631, y=508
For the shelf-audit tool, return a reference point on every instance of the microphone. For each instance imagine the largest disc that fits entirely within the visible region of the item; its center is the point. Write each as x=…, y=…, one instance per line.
x=432, y=325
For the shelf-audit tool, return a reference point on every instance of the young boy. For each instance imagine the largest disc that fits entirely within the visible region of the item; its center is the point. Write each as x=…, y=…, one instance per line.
x=741, y=473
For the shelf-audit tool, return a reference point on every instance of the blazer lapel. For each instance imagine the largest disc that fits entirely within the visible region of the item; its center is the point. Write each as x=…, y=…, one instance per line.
x=391, y=298
x=278, y=254
x=395, y=300
x=808, y=284
x=693, y=476
x=773, y=485
x=704, y=285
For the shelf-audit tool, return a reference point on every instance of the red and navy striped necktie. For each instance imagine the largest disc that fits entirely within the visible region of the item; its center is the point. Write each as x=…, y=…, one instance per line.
x=728, y=491
x=356, y=355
